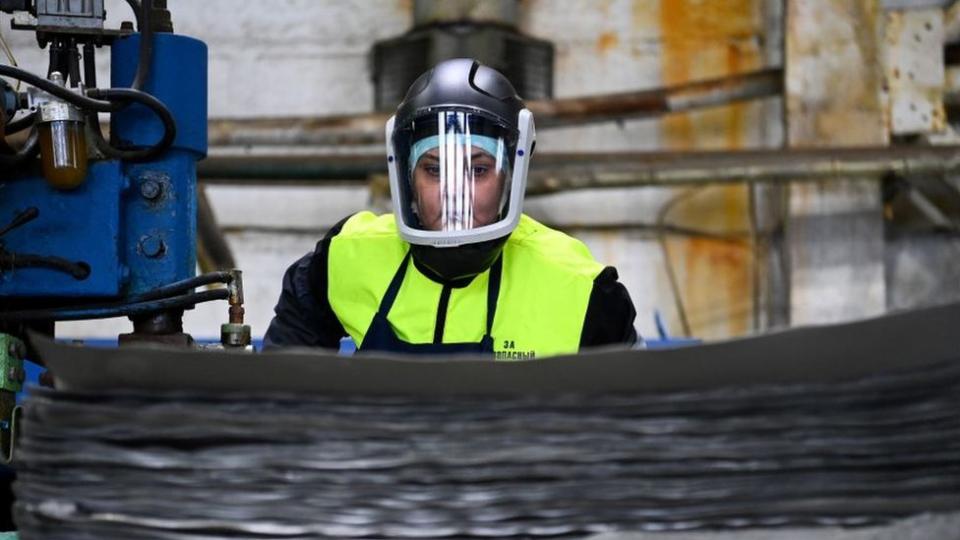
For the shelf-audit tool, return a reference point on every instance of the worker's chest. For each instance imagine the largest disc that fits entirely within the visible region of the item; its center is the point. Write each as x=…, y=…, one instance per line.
x=530, y=320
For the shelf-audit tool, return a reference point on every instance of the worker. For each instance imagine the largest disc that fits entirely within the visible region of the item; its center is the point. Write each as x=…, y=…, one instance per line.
x=457, y=268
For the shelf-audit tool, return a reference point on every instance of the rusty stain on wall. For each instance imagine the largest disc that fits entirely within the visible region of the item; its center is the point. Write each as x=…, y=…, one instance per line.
x=703, y=40
x=832, y=95
x=607, y=41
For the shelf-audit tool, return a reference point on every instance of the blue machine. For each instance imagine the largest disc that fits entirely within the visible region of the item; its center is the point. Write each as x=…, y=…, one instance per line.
x=132, y=224
x=84, y=238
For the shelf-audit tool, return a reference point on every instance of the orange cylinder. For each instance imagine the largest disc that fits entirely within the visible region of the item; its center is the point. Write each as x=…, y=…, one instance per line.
x=63, y=153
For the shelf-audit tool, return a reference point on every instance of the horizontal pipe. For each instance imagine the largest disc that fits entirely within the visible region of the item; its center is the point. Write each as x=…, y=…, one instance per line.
x=550, y=173
x=292, y=167
x=658, y=101
x=677, y=169
x=368, y=128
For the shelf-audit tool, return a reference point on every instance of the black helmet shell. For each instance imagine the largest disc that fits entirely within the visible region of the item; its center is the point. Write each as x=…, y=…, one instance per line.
x=462, y=83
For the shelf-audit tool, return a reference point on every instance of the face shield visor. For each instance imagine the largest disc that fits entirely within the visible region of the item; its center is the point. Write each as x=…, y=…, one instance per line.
x=457, y=177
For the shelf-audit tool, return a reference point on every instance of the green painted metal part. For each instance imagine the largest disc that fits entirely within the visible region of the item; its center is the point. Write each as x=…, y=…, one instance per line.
x=12, y=351
x=12, y=375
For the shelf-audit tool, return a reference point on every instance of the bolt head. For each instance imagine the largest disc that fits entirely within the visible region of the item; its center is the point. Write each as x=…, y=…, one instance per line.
x=151, y=189
x=152, y=246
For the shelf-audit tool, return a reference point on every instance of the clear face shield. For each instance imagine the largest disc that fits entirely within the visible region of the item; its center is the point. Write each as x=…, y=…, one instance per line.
x=453, y=177
x=457, y=169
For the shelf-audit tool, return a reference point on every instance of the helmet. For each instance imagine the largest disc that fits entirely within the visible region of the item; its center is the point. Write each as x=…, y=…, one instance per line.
x=458, y=148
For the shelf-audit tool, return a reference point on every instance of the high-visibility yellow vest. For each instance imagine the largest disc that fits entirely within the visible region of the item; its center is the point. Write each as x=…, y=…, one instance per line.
x=545, y=288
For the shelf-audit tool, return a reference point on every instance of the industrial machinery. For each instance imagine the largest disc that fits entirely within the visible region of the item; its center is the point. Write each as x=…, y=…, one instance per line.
x=488, y=31
x=94, y=226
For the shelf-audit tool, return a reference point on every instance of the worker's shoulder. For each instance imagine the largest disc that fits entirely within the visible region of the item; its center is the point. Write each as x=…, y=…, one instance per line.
x=368, y=224
x=551, y=247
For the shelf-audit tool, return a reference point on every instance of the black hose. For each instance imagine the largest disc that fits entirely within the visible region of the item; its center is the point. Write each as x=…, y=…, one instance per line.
x=146, y=154
x=56, y=57
x=163, y=292
x=65, y=94
x=116, y=310
x=89, y=66
x=182, y=286
x=170, y=290
x=73, y=65
x=21, y=219
x=77, y=270
x=135, y=6
x=115, y=99
x=21, y=124
x=145, y=54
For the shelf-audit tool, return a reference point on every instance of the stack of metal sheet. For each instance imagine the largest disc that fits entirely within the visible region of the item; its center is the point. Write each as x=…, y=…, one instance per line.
x=395, y=460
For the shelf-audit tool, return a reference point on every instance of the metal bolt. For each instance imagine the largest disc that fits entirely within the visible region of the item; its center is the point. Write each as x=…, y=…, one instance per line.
x=152, y=246
x=151, y=189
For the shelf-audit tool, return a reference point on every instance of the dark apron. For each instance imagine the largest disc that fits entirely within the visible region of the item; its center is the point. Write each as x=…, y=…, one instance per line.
x=381, y=337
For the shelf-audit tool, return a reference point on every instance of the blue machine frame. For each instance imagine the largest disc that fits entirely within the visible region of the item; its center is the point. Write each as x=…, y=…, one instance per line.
x=134, y=224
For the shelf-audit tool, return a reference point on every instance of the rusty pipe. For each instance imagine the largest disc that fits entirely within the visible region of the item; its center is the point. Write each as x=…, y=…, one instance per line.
x=658, y=101
x=367, y=128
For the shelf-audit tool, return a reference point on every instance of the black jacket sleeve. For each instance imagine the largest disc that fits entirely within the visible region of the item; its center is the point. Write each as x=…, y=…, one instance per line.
x=303, y=316
x=610, y=313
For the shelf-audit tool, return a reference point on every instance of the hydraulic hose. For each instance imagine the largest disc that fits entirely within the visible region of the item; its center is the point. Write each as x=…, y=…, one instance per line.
x=65, y=94
x=109, y=100
x=113, y=99
x=106, y=311
x=177, y=287
x=145, y=53
x=78, y=271
x=135, y=6
x=21, y=124
x=145, y=154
